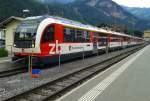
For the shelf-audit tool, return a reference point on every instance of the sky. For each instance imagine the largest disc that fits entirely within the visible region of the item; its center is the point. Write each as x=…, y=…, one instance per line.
x=134, y=3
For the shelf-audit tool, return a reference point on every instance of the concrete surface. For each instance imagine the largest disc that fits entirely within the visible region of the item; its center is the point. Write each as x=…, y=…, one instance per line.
x=127, y=80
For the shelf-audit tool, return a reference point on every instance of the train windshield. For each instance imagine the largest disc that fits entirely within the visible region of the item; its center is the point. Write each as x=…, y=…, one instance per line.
x=26, y=31
x=25, y=34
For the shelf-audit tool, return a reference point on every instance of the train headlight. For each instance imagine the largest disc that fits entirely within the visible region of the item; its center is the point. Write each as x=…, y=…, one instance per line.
x=33, y=45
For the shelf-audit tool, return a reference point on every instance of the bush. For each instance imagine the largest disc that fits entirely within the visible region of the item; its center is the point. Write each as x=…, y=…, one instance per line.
x=3, y=52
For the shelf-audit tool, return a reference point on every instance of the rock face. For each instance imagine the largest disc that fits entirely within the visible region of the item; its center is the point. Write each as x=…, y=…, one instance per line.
x=105, y=11
x=111, y=8
x=142, y=13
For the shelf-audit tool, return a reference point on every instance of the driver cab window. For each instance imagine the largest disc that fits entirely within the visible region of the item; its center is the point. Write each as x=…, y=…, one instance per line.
x=48, y=34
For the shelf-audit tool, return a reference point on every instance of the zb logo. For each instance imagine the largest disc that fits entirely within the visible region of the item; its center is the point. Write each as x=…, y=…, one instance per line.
x=55, y=48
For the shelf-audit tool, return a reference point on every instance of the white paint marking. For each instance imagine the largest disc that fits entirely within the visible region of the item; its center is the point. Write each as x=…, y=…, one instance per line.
x=14, y=81
x=93, y=93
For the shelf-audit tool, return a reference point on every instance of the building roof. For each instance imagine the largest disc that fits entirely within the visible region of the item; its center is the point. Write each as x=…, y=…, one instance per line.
x=147, y=31
x=5, y=22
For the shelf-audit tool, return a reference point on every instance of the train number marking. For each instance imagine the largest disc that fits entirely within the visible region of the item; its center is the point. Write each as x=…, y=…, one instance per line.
x=55, y=46
x=52, y=51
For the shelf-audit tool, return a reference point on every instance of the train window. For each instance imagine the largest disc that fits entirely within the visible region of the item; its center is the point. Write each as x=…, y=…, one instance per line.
x=78, y=36
x=72, y=31
x=75, y=35
x=95, y=34
x=115, y=38
x=69, y=35
x=86, y=36
x=102, y=41
x=67, y=31
x=48, y=34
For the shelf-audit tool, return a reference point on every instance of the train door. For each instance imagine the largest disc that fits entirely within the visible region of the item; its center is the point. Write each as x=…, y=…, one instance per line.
x=51, y=39
x=95, y=49
x=109, y=39
x=47, y=39
x=58, y=38
x=121, y=40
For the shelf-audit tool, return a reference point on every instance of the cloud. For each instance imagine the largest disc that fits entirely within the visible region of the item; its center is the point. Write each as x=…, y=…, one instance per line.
x=134, y=3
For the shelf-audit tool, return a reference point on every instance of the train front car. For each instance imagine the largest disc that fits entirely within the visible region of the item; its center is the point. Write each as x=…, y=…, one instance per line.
x=46, y=38
x=25, y=38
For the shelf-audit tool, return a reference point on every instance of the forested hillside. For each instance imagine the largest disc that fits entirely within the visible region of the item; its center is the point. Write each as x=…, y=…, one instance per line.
x=142, y=13
x=92, y=12
x=14, y=8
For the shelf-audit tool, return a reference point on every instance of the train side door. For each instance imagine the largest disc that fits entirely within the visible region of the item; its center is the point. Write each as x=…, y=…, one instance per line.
x=48, y=40
x=95, y=49
x=121, y=39
x=58, y=38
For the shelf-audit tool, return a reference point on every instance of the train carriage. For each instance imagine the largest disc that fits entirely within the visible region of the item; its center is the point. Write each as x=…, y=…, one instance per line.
x=46, y=37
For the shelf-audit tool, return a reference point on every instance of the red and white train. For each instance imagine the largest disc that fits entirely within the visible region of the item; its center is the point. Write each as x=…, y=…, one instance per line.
x=45, y=37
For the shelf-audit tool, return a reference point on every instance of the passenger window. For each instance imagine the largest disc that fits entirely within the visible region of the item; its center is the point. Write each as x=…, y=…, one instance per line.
x=86, y=36
x=48, y=34
x=79, y=36
x=68, y=35
x=75, y=35
x=102, y=41
x=72, y=31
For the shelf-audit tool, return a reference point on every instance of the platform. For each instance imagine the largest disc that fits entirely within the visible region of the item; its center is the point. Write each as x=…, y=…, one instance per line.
x=5, y=64
x=10, y=86
x=127, y=80
x=5, y=59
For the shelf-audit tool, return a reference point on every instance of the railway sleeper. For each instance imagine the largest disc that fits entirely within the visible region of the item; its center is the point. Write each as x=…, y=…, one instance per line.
x=44, y=91
x=35, y=97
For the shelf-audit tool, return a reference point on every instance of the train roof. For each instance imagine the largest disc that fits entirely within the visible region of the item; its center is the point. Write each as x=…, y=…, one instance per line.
x=73, y=23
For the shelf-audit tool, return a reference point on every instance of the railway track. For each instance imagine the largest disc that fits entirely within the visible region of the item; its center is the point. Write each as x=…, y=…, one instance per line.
x=56, y=88
x=12, y=72
x=18, y=63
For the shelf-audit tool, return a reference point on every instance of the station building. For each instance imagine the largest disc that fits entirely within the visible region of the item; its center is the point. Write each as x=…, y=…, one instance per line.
x=7, y=29
x=2, y=38
x=147, y=35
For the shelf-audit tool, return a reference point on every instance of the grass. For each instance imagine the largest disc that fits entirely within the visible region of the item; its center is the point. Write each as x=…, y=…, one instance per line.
x=3, y=52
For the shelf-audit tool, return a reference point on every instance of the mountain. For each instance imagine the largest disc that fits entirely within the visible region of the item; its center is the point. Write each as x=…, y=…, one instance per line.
x=92, y=12
x=57, y=1
x=14, y=8
x=107, y=11
x=98, y=11
x=142, y=13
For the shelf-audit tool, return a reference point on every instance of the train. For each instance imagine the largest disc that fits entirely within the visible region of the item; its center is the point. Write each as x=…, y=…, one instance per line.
x=48, y=37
